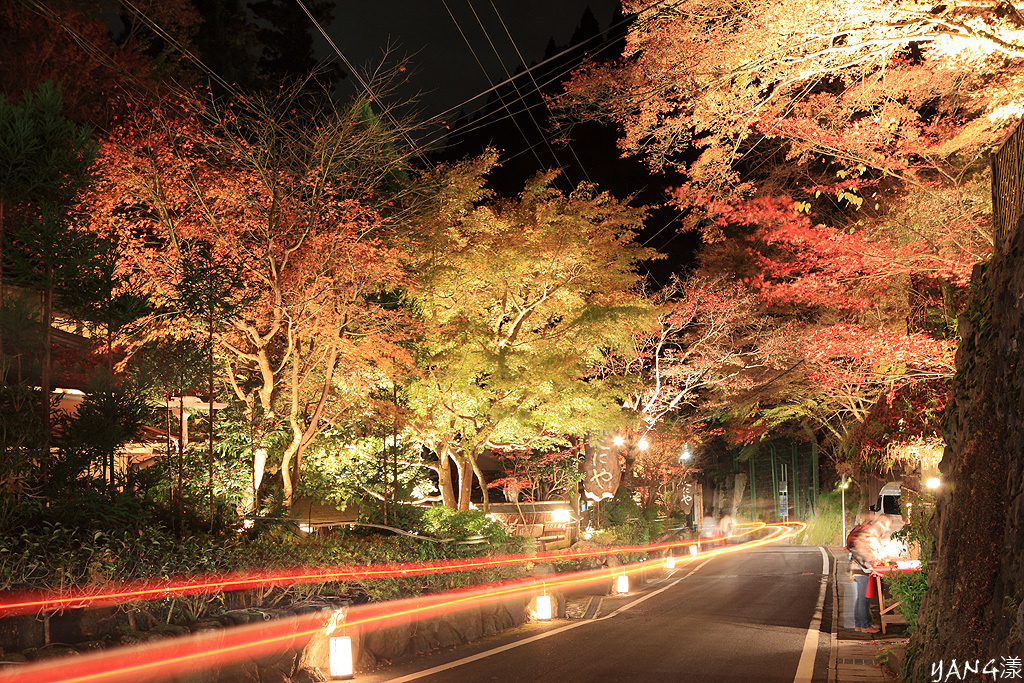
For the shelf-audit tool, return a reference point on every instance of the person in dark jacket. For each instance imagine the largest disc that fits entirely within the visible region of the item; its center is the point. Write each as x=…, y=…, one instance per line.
x=866, y=549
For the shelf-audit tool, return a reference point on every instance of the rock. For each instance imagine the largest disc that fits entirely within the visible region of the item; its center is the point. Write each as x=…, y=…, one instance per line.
x=1020, y=622
x=389, y=642
x=90, y=646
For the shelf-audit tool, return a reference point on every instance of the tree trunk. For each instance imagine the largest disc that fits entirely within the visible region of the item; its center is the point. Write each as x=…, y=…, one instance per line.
x=483, y=484
x=465, y=469
x=286, y=461
x=45, y=379
x=444, y=479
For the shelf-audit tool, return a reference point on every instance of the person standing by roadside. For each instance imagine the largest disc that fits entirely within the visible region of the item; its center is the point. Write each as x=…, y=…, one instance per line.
x=725, y=527
x=708, y=530
x=866, y=549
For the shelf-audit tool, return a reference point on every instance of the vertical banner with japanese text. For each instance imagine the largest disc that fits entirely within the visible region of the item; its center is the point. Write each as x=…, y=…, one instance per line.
x=600, y=470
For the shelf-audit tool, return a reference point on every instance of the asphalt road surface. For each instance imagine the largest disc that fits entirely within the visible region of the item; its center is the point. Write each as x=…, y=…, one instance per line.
x=743, y=616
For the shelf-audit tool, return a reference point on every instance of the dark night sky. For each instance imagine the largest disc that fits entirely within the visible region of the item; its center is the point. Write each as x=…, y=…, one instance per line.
x=442, y=68
x=444, y=73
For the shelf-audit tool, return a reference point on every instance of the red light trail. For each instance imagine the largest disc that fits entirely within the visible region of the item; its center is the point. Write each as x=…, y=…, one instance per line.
x=28, y=602
x=210, y=650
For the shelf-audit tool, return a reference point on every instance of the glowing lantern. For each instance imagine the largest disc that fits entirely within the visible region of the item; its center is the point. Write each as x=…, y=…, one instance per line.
x=560, y=516
x=619, y=441
x=341, y=657
x=693, y=550
x=670, y=562
x=544, y=607
x=933, y=482
x=622, y=584
x=642, y=444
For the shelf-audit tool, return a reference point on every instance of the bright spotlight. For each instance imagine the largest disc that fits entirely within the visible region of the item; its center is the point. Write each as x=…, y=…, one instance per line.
x=933, y=482
x=560, y=516
x=642, y=444
x=619, y=441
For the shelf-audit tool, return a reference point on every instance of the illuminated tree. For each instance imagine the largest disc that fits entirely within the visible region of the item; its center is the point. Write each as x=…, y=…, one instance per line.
x=834, y=158
x=297, y=210
x=520, y=297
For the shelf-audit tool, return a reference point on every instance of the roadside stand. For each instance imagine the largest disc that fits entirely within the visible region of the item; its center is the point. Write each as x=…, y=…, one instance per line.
x=880, y=571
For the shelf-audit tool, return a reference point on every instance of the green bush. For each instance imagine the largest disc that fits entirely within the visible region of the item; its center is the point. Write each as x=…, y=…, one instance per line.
x=909, y=588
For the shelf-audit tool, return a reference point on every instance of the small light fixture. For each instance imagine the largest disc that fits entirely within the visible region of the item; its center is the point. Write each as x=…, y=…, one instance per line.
x=693, y=550
x=341, y=657
x=685, y=455
x=561, y=516
x=670, y=562
x=622, y=584
x=619, y=440
x=933, y=482
x=339, y=648
x=306, y=528
x=642, y=444
x=544, y=607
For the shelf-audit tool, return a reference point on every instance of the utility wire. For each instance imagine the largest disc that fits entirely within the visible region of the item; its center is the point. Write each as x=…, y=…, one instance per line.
x=535, y=84
x=366, y=86
x=515, y=87
x=482, y=69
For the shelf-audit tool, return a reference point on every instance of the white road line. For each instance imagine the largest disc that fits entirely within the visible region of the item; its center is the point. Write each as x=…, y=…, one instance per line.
x=539, y=636
x=805, y=669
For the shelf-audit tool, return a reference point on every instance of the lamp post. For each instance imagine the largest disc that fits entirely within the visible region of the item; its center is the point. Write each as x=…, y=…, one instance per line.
x=842, y=488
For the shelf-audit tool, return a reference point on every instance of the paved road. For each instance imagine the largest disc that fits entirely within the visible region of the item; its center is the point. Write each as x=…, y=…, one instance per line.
x=738, y=617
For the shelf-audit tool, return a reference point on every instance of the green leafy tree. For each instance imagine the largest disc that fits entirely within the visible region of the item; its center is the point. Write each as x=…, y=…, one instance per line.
x=520, y=298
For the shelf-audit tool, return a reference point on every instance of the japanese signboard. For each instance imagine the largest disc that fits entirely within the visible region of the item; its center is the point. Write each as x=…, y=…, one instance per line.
x=601, y=470
x=686, y=493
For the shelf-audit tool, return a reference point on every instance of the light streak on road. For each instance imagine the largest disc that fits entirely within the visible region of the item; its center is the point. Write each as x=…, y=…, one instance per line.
x=29, y=602
x=213, y=649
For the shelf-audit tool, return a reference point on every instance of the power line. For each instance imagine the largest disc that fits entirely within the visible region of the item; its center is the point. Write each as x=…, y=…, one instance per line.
x=366, y=86
x=535, y=85
x=515, y=87
x=487, y=76
x=544, y=62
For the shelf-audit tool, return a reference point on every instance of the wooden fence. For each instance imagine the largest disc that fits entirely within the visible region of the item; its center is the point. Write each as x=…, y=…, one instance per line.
x=1007, y=160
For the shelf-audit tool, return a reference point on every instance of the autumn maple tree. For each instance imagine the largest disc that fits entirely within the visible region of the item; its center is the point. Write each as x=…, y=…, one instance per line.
x=519, y=297
x=293, y=204
x=834, y=159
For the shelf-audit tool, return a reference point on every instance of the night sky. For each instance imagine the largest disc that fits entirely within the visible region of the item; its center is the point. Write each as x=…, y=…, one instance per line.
x=441, y=66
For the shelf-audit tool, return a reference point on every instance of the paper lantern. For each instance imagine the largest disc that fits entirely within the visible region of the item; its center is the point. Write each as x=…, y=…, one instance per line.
x=670, y=562
x=622, y=584
x=341, y=657
x=544, y=607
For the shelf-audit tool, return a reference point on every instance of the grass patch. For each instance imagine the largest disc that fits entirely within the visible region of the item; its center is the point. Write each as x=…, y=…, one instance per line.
x=825, y=525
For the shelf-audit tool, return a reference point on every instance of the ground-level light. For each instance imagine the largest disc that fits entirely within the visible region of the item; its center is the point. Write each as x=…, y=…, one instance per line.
x=341, y=657
x=693, y=550
x=561, y=516
x=933, y=482
x=670, y=562
x=544, y=607
x=622, y=584
x=619, y=440
x=642, y=444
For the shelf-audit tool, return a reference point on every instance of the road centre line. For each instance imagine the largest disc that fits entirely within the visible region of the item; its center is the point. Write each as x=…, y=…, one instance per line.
x=539, y=636
x=805, y=669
